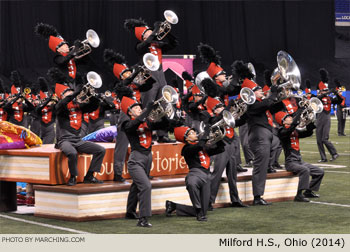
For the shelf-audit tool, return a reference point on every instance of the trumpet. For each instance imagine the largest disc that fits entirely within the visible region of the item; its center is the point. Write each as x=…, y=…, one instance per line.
x=240, y=106
x=88, y=90
x=150, y=64
x=218, y=130
x=286, y=76
x=165, y=26
x=92, y=40
x=164, y=105
x=311, y=108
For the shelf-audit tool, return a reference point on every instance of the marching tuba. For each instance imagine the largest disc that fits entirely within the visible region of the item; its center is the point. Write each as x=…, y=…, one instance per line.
x=240, y=106
x=165, y=26
x=311, y=108
x=199, y=78
x=92, y=39
x=286, y=76
x=218, y=130
x=164, y=105
x=150, y=64
x=88, y=90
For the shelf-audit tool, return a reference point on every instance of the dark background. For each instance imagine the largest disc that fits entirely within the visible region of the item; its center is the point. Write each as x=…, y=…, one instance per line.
x=248, y=30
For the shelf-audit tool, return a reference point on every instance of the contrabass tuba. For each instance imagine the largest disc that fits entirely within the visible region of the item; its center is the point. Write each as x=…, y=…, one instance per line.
x=165, y=26
x=92, y=39
x=88, y=90
x=311, y=108
x=286, y=76
x=247, y=97
x=218, y=130
x=164, y=105
x=150, y=64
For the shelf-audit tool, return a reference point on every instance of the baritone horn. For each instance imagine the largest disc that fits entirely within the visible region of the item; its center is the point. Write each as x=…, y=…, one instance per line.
x=311, y=108
x=88, y=90
x=165, y=27
x=286, y=76
x=92, y=40
x=240, y=106
x=218, y=130
x=164, y=105
x=150, y=64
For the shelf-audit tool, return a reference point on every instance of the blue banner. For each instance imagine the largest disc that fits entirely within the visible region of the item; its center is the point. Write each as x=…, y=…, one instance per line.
x=342, y=11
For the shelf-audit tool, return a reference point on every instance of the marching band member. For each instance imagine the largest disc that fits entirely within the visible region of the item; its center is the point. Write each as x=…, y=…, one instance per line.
x=17, y=104
x=3, y=96
x=260, y=136
x=64, y=57
x=197, y=156
x=148, y=43
x=226, y=159
x=289, y=136
x=96, y=117
x=139, y=133
x=308, y=89
x=35, y=125
x=126, y=75
x=340, y=110
x=224, y=87
x=46, y=112
x=69, y=112
x=324, y=118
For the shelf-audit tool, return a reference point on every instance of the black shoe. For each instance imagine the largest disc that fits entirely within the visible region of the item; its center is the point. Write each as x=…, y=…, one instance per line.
x=271, y=170
x=169, y=208
x=131, y=215
x=72, y=181
x=118, y=178
x=210, y=207
x=301, y=198
x=92, y=180
x=201, y=217
x=249, y=164
x=334, y=157
x=165, y=139
x=311, y=194
x=323, y=161
x=143, y=222
x=260, y=202
x=277, y=166
x=240, y=168
x=238, y=204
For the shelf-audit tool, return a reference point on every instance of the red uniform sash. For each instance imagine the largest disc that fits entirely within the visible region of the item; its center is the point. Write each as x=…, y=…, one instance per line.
x=75, y=115
x=204, y=158
x=145, y=135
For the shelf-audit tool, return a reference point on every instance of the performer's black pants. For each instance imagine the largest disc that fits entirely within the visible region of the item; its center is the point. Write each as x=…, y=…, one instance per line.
x=71, y=149
x=243, y=135
x=224, y=160
x=139, y=166
x=198, y=187
x=47, y=133
x=322, y=135
x=260, y=141
x=304, y=171
x=341, y=120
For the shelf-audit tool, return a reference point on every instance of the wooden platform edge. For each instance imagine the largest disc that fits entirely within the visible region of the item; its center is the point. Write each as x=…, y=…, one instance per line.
x=154, y=212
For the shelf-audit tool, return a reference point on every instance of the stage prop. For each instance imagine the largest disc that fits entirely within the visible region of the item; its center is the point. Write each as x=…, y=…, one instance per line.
x=93, y=202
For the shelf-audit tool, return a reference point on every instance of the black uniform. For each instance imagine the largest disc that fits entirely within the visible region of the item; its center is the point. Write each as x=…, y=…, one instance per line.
x=69, y=120
x=293, y=161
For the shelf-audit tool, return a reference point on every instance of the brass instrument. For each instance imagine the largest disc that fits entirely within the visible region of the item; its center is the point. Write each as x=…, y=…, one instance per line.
x=164, y=105
x=108, y=93
x=311, y=108
x=88, y=90
x=92, y=40
x=165, y=27
x=218, y=130
x=286, y=76
x=199, y=78
x=26, y=91
x=150, y=64
x=241, y=105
